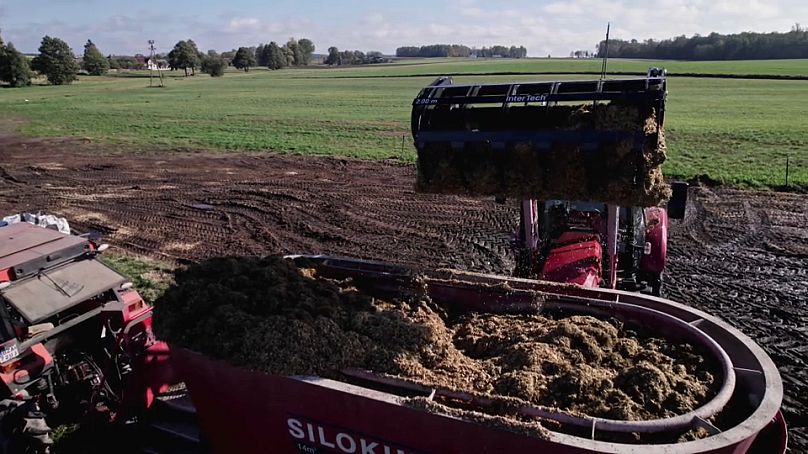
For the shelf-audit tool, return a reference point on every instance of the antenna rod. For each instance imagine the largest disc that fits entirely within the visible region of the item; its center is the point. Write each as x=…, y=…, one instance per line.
x=605, y=52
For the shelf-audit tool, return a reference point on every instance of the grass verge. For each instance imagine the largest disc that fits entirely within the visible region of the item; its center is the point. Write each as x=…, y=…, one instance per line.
x=150, y=277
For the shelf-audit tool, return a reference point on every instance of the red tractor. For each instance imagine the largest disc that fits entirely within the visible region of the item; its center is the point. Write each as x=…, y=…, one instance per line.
x=594, y=244
x=74, y=335
x=584, y=242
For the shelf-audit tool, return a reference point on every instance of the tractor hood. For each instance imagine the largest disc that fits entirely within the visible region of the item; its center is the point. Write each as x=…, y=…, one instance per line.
x=577, y=263
x=52, y=291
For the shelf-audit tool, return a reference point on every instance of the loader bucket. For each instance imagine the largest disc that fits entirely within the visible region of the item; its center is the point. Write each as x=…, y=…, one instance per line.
x=600, y=140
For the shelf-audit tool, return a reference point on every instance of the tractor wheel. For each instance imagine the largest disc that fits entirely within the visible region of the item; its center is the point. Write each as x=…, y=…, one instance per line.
x=524, y=264
x=653, y=284
x=24, y=429
x=656, y=285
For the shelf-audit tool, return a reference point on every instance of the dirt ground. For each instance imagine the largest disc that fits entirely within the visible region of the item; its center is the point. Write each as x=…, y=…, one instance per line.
x=740, y=255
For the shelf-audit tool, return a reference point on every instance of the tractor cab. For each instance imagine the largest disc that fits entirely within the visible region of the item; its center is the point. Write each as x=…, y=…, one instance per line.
x=563, y=218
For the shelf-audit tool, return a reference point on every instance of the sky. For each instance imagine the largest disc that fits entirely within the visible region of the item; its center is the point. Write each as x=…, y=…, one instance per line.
x=544, y=27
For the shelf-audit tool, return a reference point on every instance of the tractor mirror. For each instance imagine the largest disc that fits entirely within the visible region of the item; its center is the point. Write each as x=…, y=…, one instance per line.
x=678, y=201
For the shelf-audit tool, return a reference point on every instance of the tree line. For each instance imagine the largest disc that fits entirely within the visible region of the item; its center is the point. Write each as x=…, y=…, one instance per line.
x=353, y=57
x=293, y=53
x=59, y=65
x=459, y=50
x=186, y=56
x=715, y=46
x=14, y=68
x=582, y=54
x=55, y=61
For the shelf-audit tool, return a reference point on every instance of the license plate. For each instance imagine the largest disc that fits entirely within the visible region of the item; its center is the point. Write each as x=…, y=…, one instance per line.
x=8, y=353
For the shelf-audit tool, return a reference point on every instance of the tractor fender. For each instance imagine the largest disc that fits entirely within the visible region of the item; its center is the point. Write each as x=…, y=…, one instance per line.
x=656, y=236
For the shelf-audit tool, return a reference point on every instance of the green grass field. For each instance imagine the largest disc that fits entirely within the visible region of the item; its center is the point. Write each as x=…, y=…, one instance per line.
x=737, y=131
x=150, y=277
x=435, y=66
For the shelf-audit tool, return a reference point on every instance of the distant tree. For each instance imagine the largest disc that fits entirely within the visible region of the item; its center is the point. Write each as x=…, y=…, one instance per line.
x=293, y=52
x=126, y=62
x=715, y=46
x=353, y=57
x=374, y=57
x=407, y=51
x=193, y=46
x=306, y=49
x=358, y=57
x=346, y=57
x=56, y=61
x=14, y=68
x=184, y=55
x=174, y=58
x=213, y=65
x=334, y=56
x=244, y=59
x=288, y=55
x=458, y=50
x=276, y=56
x=262, y=55
x=94, y=62
x=140, y=61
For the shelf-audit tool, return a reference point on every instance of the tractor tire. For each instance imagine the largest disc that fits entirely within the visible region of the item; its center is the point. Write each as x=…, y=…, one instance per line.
x=653, y=284
x=657, y=284
x=24, y=429
x=524, y=264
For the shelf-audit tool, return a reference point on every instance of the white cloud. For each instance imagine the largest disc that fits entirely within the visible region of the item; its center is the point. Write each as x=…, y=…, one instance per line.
x=563, y=8
x=238, y=24
x=472, y=11
x=374, y=20
x=746, y=9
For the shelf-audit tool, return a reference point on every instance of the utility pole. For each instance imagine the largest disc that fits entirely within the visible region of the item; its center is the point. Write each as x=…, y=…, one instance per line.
x=151, y=61
x=153, y=64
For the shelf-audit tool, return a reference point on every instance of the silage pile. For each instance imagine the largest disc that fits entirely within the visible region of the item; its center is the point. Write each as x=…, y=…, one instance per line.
x=624, y=171
x=265, y=314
